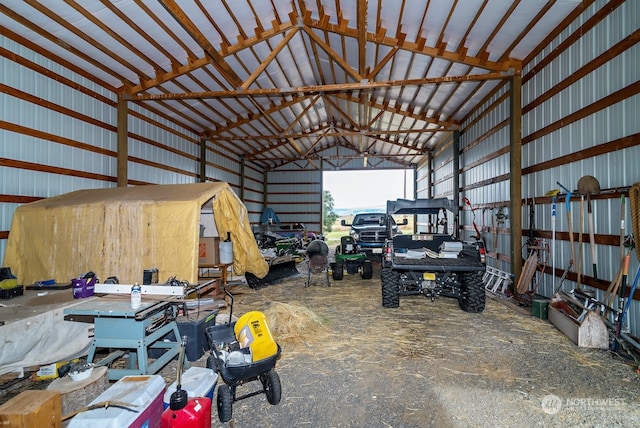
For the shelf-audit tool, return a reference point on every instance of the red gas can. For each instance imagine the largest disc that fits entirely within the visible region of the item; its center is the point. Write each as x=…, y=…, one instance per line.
x=196, y=414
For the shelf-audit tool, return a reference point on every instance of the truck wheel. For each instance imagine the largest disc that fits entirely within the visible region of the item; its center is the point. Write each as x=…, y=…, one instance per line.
x=338, y=272
x=225, y=403
x=472, y=296
x=367, y=270
x=390, y=289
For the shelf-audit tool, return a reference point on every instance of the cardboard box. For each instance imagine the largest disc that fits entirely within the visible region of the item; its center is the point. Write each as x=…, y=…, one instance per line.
x=209, y=251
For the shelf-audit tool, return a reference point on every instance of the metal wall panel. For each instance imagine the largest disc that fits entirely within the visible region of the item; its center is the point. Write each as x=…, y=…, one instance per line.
x=615, y=169
x=74, y=147
x=296, y=196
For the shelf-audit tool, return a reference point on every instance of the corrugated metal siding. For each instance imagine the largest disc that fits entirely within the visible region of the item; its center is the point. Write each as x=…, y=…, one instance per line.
x=442, y=174
x=486, y=131
x=488, y=201
x=68, y=153
x=153, y=147
x=253, y=193
x=296, y=196
x=613, y=170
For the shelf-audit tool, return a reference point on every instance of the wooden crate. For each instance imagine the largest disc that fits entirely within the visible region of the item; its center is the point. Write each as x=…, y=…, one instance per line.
x=33, y=408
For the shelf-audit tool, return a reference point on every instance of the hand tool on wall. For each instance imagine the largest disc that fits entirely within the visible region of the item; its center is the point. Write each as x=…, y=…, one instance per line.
x=581, y=225
x=588, y=185
x=567, y=203
x=625, y=310
x=623, y=214
x=623, y=283
x=554, y=195
x=467, y=202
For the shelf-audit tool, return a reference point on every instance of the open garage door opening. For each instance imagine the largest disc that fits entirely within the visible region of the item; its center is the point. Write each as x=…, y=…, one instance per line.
x=348, y=194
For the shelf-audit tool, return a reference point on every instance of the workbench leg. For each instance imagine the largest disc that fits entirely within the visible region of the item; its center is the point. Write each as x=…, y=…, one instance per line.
x=92, y=351
x=133, y=360
x=142, y=357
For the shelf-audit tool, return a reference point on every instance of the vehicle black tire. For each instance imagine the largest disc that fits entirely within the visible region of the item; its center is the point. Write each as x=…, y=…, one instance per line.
x=472, y=296
x=367, y=270
x=272, y=387
x=390, y=289
x=225, y=403
x=338, y=272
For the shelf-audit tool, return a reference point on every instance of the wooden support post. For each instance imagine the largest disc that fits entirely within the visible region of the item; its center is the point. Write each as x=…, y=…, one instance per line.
x=515, y=209
x=203, y=160
x=265, y=201
x=455, y=180
x=242, y=176
x=123, y=144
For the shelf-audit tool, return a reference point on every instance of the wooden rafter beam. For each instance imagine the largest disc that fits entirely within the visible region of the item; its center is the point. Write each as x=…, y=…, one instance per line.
x=382, y=63
x=363, y=6
x=338, y=87
x=387, y=138
x=344, y=132
x=301, y=114
x=194, y=64
x=300, y=151
x=449, y=125
x=162, y=77
x=245, y=120
x=218, y=60
x=417, y=46
x=260, y=69
x=333, y=54
x=341, y=112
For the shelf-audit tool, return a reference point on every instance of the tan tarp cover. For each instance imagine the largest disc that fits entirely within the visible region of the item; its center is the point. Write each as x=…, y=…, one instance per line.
x=122, y=231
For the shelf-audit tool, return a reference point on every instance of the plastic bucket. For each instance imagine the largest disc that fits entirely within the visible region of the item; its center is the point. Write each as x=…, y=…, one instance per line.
x=226, y=252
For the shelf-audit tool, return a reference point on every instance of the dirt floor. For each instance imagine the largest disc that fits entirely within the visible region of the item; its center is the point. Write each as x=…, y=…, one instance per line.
x=357, y=364
x=430, y=364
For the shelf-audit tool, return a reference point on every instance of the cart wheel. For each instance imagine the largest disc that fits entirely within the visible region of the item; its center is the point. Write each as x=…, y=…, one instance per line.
x=225, y=403
x=273, y=389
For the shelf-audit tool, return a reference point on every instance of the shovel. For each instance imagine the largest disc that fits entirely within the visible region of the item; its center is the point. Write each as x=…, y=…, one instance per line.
x=589, y=185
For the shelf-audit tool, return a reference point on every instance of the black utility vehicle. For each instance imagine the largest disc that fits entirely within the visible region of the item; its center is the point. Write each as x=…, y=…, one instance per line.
x=432, y=264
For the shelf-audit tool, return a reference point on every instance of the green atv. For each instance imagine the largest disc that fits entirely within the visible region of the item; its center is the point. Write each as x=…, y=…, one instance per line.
x=349, y=258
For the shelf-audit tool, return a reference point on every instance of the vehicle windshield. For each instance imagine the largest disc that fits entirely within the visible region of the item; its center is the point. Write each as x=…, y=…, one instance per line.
x=361, y=219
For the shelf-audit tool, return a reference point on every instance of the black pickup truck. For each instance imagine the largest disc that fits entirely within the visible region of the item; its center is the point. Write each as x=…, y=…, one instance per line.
x=369, y=230
x=432, y=264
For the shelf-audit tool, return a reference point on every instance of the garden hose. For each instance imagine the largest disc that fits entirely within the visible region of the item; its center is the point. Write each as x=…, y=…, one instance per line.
x=634, y=205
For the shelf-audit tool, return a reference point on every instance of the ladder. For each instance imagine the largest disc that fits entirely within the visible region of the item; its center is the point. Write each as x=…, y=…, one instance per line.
x=495, y=279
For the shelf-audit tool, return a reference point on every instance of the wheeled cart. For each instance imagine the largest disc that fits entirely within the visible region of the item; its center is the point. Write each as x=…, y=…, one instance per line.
x=237, y=363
